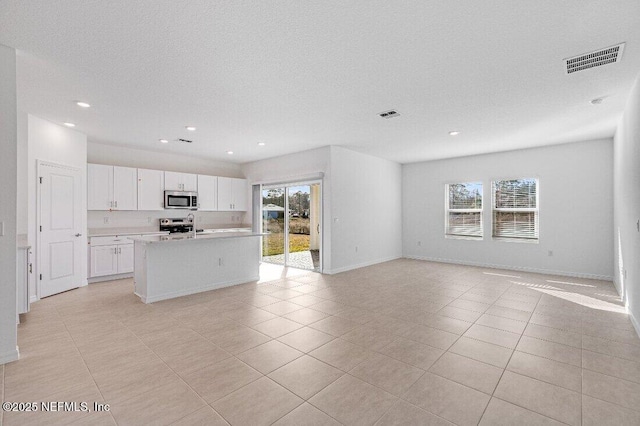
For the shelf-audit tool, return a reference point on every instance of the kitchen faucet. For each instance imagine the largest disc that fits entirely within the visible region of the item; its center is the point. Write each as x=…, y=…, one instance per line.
x=192, y=217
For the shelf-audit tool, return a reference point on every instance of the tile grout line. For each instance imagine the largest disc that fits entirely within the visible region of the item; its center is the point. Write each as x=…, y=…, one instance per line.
x=509, y=361
x=174, y=372
x=84, y=361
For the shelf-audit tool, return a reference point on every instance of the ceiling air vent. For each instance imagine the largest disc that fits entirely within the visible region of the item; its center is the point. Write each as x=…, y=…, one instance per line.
x=608, y=55
x=389, y=114
x=184, y=140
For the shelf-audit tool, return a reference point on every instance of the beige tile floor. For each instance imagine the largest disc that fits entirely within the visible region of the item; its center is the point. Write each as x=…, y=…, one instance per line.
x=403, y=342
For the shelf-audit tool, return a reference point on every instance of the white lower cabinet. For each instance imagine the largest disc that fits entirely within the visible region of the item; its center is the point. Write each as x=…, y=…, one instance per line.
x=23, y=269
x=110, y=256
x=104, y=261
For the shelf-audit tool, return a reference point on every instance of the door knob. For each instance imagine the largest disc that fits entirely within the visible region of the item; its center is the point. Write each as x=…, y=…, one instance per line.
x=78, y=235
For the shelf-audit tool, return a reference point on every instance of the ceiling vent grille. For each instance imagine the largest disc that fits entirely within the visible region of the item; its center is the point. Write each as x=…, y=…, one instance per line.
x=608, y=55
x=389, y=114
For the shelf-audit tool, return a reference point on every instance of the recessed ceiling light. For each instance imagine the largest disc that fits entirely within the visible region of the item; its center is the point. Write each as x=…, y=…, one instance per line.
x=230, y=152
x=83, y=104
x=190, y=128
x=454, y=133
x=261, y=144
x=596, y=101
x=69, y=124
x=163, y=141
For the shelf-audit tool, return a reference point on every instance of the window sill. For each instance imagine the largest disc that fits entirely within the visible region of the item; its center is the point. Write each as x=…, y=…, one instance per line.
x=517, y=240
x=462, y=237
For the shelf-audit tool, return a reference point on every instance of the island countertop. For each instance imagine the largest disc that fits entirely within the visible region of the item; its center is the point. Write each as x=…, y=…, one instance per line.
x=151, y=239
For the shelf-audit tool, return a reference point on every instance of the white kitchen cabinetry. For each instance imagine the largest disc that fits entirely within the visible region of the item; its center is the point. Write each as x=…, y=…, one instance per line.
x=174, y=181
x=111, y=256
x=104, y=261
x=240, y=202
x=150, y=190
x=232, y=194
x=207, y=193
x=99, y=187
x=23, y=269
x=112, y=187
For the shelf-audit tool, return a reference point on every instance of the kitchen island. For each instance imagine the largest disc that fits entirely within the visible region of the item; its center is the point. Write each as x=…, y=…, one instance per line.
x=169, y=266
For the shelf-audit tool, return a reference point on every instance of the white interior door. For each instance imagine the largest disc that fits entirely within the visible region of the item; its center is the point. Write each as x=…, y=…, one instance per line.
x=60, y=221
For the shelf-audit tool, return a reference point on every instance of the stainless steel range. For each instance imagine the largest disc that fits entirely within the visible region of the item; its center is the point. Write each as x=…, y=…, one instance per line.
x=177, y=225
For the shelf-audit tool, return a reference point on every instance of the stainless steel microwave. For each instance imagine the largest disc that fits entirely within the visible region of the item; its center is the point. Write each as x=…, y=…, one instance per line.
x=181, y=200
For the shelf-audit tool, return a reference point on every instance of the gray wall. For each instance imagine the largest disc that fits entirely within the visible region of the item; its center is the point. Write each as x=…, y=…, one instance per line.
x=626, y=194
x=576, y=214
x=8, y=195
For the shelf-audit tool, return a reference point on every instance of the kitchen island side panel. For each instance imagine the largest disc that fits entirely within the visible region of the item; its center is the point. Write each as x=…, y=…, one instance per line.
x=180, y=268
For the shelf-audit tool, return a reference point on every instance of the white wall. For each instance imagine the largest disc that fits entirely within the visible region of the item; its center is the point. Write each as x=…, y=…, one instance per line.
x=360, y=202
x=51, y=142
x=296, y=167
x=366, y=210
x=131, y=157
x=626, y=190
x=149, y=219
x=23, y=153
x=8, y=177
x=576, y=214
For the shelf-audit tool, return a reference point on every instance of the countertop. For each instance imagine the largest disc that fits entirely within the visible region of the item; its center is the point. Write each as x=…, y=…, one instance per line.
x=21, y=241
x=150, y=239
x=104, y=232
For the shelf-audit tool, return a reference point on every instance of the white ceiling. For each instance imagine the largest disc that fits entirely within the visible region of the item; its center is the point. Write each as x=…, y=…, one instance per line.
x=303, y=74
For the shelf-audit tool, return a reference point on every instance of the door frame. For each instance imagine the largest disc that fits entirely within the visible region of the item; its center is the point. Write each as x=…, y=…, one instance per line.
x=286, y=185
x=39, y=165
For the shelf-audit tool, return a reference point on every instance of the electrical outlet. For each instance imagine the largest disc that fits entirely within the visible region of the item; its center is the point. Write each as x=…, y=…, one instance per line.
x=550, y=253
x=106, y=220
x=148, y=219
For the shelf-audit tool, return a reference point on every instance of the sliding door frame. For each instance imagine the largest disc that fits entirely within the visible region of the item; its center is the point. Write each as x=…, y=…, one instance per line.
x=286, y=185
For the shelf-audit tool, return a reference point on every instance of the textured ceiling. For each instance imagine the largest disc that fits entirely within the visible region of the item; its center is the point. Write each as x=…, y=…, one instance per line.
x=303, y=74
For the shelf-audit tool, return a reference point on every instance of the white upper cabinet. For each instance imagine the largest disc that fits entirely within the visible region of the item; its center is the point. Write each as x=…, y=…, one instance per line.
x=225, y=197
x=232, y=194
x=125, y=188
x=99, y=187
x=150, y=190
x=240, y=201
x=207, y=193
x=175, y=181
x=112, y=188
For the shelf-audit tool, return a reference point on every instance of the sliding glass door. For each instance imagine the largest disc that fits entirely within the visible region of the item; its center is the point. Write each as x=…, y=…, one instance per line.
x=291, y=222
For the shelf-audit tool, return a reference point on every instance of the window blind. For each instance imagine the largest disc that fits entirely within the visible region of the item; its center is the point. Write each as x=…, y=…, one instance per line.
x=464, y=210
x=515, y=209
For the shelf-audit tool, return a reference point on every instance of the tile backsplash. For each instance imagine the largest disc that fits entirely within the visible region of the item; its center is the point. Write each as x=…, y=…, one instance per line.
x=142, y=219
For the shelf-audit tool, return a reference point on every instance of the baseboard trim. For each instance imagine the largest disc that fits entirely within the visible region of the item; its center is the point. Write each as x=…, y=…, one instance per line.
x=188, y=292
x=360, y=265
x=634, y=321
x=10, y=356
x=109, y=278
x=513, y=268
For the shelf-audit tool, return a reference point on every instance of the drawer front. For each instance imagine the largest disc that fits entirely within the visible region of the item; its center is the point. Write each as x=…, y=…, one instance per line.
x=110, y=240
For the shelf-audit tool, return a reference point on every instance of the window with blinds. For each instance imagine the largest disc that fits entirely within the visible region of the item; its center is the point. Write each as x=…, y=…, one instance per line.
x=464, y=210
x=515, y=209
